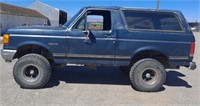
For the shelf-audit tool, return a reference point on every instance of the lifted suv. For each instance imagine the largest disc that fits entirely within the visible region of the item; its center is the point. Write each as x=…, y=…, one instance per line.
x=143, y=42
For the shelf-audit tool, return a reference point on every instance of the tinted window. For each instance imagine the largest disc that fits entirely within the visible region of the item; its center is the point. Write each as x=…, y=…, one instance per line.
x=151, y=21
x=169, y=23
x=138, y=20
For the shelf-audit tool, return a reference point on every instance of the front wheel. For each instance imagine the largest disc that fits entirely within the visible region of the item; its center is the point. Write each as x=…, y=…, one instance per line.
x=147, y=75
x=32, y=71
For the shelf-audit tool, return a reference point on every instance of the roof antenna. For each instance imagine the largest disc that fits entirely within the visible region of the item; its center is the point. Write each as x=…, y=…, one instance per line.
x=158, y=4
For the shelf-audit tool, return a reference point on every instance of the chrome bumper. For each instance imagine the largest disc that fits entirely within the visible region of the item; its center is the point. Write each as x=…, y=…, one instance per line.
x=8, y=54
x=192, y=66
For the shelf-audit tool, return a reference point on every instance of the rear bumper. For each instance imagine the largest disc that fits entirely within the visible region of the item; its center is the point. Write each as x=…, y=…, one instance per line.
x=8, y=54
x=175, y=64
x=192, y=66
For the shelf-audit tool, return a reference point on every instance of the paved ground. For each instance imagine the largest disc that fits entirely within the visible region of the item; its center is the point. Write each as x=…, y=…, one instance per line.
x=105, y=86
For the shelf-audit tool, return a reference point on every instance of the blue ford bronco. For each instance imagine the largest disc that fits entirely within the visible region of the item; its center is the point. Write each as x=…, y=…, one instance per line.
x=142, y=42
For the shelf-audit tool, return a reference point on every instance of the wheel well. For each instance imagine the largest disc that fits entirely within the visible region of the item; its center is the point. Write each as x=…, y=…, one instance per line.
x=151, y=54
x=21, y=51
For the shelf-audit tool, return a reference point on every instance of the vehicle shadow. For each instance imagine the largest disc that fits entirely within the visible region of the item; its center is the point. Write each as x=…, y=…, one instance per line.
x=80, y=74
x=105, y=75
x=173, y=79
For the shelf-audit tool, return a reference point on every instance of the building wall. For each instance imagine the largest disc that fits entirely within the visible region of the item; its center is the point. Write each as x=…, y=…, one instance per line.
x=50, y=12
x=10, y=21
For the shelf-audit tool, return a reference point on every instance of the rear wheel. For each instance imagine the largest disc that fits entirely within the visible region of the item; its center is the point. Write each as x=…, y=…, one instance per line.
x=32, y=71
x=147, y=75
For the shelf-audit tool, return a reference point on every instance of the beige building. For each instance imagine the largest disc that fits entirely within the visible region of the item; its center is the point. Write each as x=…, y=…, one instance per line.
x=12, y=16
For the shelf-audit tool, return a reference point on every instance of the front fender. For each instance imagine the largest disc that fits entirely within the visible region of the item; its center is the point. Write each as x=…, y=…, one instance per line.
x=33, y=43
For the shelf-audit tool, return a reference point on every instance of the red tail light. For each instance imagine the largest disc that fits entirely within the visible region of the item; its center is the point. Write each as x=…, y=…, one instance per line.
x=192, y=49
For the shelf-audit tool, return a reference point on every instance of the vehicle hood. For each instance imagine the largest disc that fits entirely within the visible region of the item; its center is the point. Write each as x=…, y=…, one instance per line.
x=38, y=30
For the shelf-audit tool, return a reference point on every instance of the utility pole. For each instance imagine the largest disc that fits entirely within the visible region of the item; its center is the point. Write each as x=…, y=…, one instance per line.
x=158, y=4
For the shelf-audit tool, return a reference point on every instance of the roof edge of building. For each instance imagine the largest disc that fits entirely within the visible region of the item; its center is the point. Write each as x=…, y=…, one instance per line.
x=9, y=13
x=34, y=12
x=44, y=4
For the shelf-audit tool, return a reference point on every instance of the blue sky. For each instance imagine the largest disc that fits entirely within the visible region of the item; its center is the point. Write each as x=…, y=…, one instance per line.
x=190, y=8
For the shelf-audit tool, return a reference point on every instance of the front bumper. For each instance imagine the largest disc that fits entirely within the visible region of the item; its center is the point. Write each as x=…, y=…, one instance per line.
x=192, y=66
x=8, y=54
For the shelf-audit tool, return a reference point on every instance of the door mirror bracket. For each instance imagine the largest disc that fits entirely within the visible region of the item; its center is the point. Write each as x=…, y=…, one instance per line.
x=87, y=38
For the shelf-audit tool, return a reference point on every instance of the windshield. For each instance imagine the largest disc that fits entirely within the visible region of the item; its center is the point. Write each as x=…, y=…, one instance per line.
x=73, y=18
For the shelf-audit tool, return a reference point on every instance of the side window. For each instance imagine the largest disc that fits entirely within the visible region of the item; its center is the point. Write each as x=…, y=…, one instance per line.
x=97, y=20
x=80, y=25
x=170, y=23
x=151, y=21
x=136, y=20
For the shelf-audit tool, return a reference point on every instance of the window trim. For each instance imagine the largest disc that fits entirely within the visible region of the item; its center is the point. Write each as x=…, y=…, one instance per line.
x=133, y=30
x=72, y=28
x=76, y=20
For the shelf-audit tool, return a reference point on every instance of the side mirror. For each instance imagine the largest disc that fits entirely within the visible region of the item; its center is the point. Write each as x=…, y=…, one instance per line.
x=89, y=37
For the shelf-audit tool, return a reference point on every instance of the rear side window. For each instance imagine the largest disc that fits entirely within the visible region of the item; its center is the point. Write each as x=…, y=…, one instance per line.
x=169, y=23
x=151, y=21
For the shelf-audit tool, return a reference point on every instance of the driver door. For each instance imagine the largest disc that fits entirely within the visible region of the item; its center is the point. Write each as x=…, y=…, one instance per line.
x=91, y=39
